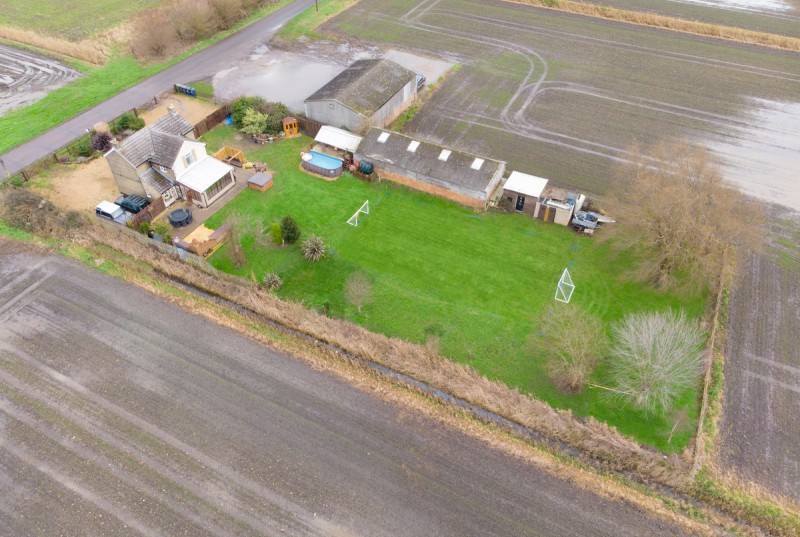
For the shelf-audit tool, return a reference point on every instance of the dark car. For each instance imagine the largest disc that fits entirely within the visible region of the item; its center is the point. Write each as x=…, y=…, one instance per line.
x=132, y=203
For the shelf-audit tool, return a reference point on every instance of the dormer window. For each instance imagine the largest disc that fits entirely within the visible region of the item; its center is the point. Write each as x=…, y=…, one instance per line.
x=189, y=158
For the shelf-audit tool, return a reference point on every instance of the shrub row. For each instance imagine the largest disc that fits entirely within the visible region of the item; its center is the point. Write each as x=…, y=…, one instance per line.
x=160, y=31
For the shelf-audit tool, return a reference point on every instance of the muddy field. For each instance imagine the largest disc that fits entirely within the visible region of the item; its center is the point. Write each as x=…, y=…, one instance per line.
x=25, y=77
x=563, y=97
x=122, y=415
x=760, y=430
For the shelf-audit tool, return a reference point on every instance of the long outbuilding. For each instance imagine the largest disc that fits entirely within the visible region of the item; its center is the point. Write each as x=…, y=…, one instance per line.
x=463, y=177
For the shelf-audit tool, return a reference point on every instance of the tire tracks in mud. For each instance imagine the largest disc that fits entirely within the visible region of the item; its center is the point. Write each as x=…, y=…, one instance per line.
x=512, y=117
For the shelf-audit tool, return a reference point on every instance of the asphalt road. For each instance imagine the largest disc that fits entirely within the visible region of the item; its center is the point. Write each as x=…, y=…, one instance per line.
x=123, y=415
x=203, y=64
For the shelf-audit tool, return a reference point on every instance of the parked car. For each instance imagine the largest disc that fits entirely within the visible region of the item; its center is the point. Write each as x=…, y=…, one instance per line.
x=584, y=220
x=132, y=203
x=113, y=212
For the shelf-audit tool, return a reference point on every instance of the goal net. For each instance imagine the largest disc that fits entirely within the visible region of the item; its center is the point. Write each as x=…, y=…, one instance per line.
x=353, y=220
x=565, y=287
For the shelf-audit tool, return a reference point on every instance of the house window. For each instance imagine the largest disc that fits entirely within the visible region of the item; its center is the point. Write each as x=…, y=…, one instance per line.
x=189, y=158
x=163, y=168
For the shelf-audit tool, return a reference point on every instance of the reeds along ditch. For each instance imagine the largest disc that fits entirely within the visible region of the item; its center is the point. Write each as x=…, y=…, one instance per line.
x=86, y=50
x=731, y=33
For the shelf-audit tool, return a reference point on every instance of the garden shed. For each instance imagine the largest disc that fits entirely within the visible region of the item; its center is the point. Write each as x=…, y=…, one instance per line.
x=523, y=191
x=463, y=177
x=368, y=93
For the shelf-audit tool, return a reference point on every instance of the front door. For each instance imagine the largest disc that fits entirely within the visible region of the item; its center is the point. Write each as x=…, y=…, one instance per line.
x=520, y=202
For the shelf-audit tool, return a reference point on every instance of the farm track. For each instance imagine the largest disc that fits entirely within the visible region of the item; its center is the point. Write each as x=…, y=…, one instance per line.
x=122, y=415
x=536, y=88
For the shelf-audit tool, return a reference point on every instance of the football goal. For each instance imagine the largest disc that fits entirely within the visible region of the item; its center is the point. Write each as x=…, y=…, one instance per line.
x=353, y=220
x=565, y=287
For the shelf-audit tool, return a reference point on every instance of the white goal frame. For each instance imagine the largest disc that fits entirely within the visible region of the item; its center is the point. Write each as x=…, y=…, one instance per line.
x=364, y=209
x=565, y=287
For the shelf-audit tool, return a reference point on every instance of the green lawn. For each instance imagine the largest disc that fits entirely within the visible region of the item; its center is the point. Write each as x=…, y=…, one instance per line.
x=71, y=19
x=480, y=280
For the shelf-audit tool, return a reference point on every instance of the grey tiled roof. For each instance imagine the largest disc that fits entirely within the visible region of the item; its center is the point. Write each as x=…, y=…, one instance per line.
x=173, y=124
x=165, y=147
x=137, y=147
x=366, y=85
x=157, y=182
x=158, y=143
x=425, y=160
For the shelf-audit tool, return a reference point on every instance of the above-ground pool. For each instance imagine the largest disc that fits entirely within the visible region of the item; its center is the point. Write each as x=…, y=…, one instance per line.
x=323, y=164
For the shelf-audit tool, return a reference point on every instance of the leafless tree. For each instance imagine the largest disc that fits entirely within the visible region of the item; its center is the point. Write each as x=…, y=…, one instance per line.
x=674, y=209
x=193, y=19
x=153, y=34
x=655, y=358
x=573, y=341
x=358, y=290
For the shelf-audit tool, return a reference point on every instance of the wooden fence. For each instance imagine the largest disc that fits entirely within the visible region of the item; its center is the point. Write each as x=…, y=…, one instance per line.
x=309, y=127
x=212, y=120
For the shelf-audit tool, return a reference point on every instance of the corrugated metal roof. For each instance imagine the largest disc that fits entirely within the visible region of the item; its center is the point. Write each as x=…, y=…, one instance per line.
x=426, y=160
x=366, y=85
x=338, y=138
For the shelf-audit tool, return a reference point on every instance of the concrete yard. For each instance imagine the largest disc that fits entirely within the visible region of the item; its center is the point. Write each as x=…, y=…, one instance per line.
x=123, y=415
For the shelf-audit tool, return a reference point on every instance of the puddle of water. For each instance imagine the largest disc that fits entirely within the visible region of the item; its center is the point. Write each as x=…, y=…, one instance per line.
x=276, y=76
x=764, y=159
x=290, y=78
x=745, y=5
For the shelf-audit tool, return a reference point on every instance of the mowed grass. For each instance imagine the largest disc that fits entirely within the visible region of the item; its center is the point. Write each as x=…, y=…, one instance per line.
x=479, y=281
x=71, y=19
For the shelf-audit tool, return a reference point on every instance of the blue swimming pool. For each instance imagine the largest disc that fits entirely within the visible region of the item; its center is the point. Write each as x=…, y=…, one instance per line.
x=323, y=164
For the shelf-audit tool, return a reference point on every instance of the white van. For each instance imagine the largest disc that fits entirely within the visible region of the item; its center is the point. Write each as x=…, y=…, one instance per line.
x=112, y=211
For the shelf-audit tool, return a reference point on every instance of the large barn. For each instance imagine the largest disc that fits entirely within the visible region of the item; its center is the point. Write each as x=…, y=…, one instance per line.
x=445, y=172
x=366, y=94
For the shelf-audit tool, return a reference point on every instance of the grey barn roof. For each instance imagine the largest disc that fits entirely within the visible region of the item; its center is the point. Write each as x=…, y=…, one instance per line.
x=444, y=165
x=366, y=85
x=159, y=142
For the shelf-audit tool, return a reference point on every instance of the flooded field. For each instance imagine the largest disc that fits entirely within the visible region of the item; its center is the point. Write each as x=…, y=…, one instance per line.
x=763, y=157
x=564, y=97
x=25, y=77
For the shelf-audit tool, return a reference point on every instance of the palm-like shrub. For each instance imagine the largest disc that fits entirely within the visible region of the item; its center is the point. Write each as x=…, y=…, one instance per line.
x=271, y=282
x=313, y=248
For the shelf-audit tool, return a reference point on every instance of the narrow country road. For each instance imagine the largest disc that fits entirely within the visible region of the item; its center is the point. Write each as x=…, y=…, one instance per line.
x=121, y=415
x=205, y=63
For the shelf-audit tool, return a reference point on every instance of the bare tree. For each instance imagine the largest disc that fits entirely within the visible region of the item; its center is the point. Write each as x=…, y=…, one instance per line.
x=358, y=290
x=573, y=341
x=679, y=215
x=655, y=357
x=153, y=34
